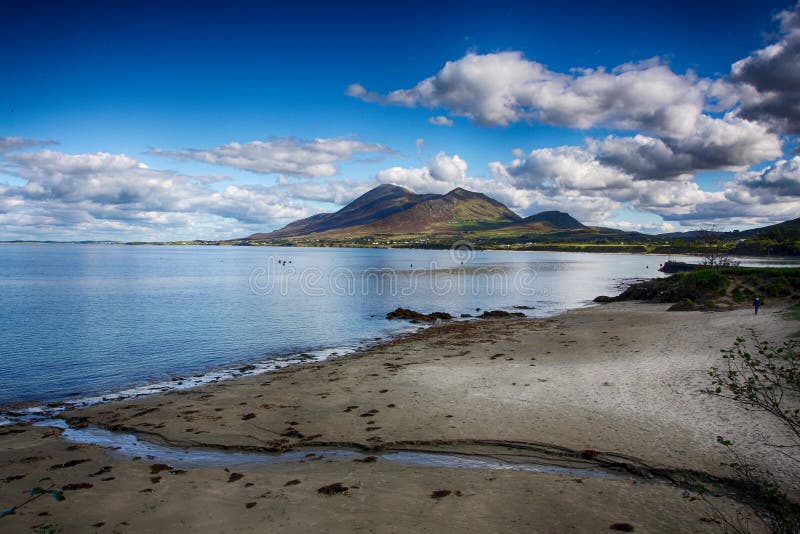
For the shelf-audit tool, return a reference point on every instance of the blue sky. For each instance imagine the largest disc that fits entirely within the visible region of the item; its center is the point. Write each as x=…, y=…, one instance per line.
x=114, y=114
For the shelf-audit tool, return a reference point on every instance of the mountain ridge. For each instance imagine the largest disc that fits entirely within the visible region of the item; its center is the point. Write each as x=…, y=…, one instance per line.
x=390, y=209
x=390, y=215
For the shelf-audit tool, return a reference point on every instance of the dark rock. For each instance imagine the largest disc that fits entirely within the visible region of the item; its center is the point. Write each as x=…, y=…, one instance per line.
x=621, y=527
x=500, y=314
x=671, y=267
x=411, y=315
x=333, y=489
x=603, y=299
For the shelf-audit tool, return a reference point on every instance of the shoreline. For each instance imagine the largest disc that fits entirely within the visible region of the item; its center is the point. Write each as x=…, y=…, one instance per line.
x=30, y=410
x=614, y=379
x=795, y=260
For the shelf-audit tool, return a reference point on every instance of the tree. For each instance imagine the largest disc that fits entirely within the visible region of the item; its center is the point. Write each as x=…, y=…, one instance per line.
x=761, y=376
x=714, y=251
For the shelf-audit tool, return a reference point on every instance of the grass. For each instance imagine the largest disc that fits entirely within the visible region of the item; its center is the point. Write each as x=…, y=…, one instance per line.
x=793, y=313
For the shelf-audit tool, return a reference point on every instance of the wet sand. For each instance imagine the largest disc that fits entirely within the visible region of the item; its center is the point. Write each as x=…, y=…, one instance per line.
x=621, y=383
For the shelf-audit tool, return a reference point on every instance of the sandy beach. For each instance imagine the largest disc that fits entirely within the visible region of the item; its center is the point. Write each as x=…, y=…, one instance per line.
x=615, y=384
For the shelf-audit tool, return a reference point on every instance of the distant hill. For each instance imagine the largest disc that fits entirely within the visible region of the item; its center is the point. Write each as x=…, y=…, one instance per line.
x=788, y=230
x=554, y=220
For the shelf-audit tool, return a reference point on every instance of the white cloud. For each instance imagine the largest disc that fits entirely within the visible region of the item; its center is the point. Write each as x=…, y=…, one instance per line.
x=98, y=194
x=502, y=88
x=729, y=143
x=308, y=158
x=356, y=90
x=440, y=120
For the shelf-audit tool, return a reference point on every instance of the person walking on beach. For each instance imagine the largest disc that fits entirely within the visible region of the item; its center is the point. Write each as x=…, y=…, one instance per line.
x=756, y=304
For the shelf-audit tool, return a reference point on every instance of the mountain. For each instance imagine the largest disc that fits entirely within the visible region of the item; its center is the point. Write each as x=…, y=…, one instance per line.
x=392, y=210
x=374, y=205
x=393, y=216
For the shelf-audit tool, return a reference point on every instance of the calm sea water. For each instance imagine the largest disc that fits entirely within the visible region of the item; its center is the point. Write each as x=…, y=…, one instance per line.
x=82, y=320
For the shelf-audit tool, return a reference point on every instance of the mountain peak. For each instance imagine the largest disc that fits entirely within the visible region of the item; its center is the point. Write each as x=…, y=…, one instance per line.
x=390, y=188
x=460, y=192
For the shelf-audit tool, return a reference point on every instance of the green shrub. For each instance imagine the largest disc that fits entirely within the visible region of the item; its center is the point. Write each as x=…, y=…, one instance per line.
x=737, y=294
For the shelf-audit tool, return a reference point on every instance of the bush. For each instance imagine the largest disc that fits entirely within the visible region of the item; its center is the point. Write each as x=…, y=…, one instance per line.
x=765, y=377
x=737, y=294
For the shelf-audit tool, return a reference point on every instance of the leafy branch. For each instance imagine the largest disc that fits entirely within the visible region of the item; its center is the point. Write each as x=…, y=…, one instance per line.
x=34, y=494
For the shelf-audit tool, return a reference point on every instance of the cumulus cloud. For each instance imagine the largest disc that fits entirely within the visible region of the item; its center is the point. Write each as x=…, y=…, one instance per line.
x=778, y=183
x=502, y=88
x=730, y=143
x=102, y=192
x=356, y=90
x=10, y=144
x=444, y=173
x=286, y=155
x=769, y=78
x=572, y=176
x=440, y=120
x=440, y=175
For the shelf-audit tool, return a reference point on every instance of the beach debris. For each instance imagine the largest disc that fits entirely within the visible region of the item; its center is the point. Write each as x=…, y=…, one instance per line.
x=414, y=316
x=440, y=494
x=250, y=505
x=333, y=489
x=292, y=432
x=294, y=482
x=77, y=486
x=621, y=527
x=157, y=468
x=234, y=477
x=248, y=416
x=70, y=463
